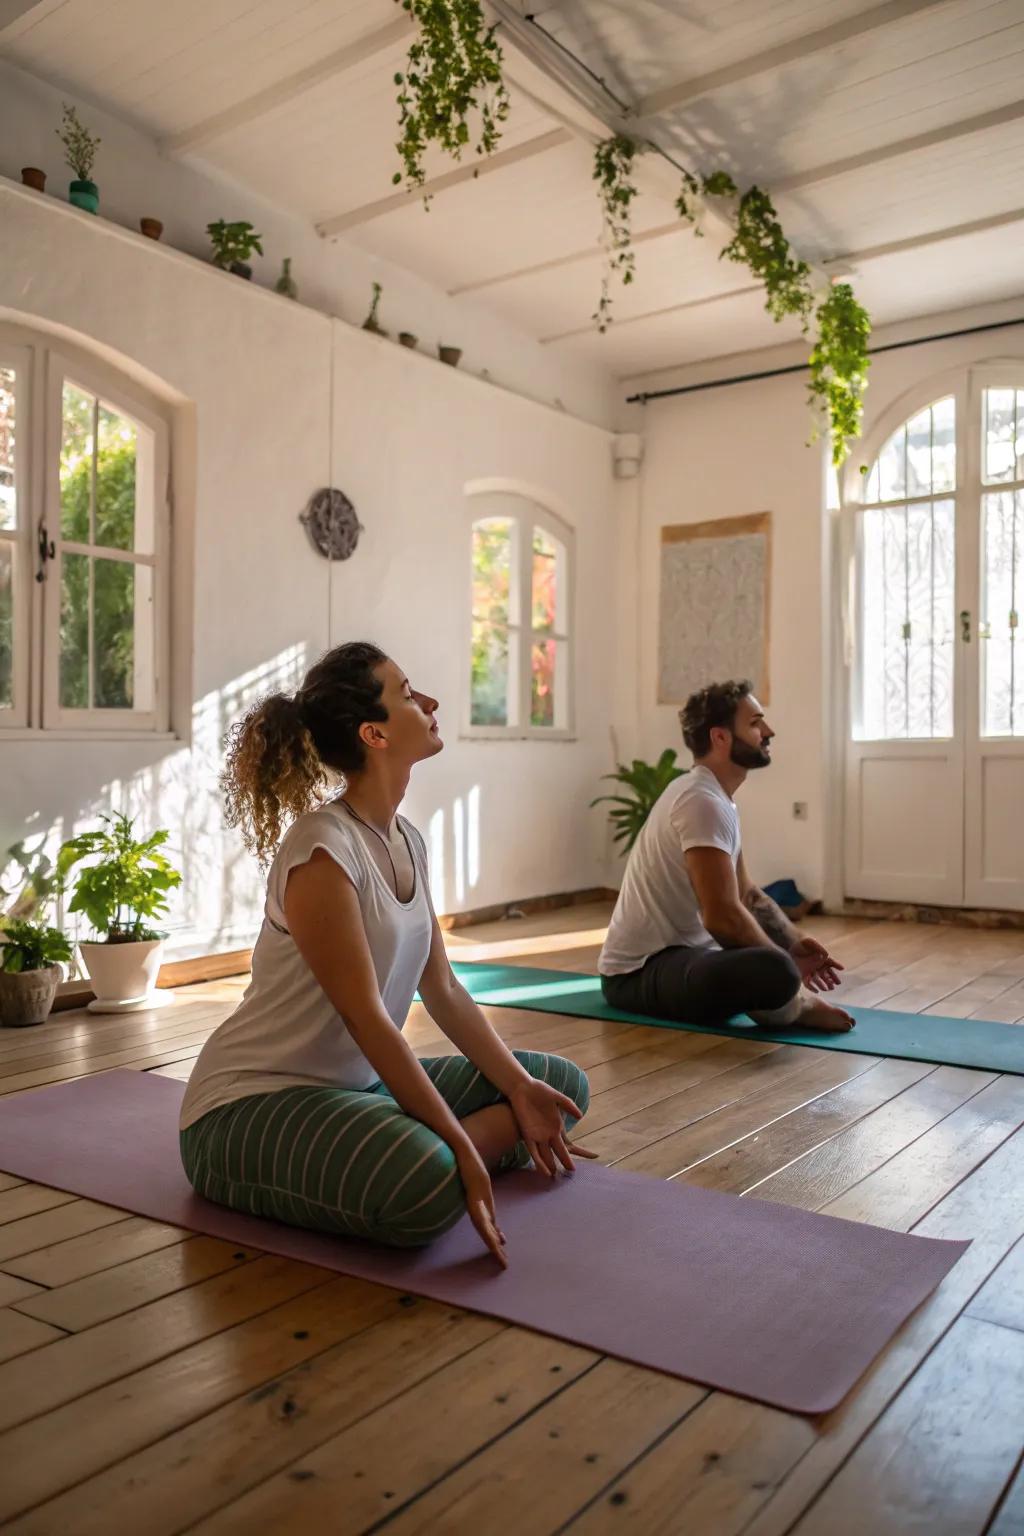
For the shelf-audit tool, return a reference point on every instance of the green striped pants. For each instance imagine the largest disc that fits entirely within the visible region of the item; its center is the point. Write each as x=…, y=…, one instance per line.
x=352, y=1162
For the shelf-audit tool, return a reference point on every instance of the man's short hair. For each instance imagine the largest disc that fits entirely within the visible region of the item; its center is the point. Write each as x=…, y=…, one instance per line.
x=712, y=706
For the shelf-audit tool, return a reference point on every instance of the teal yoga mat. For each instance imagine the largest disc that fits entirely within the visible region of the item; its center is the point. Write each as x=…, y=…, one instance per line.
x=912, y=1036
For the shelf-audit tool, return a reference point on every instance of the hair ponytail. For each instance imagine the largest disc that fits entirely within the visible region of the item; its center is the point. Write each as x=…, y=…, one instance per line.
x=272, y=773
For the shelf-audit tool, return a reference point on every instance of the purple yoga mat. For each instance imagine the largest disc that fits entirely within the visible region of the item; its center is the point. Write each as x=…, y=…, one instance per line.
x=772, y=1303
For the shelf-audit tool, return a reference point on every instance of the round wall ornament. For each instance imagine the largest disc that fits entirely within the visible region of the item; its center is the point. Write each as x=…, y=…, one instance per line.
x=332, y=524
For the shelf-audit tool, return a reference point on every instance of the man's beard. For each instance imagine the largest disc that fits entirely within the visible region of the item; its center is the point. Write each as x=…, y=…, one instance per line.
x=746, y=756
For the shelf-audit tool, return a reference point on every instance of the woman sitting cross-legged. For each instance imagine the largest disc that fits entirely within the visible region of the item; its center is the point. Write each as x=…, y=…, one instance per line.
x=307, y=1105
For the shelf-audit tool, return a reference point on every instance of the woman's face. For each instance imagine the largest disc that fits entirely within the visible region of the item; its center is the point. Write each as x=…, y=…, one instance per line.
x=411, y=727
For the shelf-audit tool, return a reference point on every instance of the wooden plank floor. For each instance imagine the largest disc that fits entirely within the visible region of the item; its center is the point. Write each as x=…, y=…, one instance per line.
x=153, y=1380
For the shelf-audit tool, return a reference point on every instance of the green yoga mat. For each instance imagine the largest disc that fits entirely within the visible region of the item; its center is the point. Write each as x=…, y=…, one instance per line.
x=912, y=1036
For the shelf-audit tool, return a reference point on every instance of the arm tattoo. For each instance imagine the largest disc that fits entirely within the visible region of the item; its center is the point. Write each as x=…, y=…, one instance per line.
x=769, y=917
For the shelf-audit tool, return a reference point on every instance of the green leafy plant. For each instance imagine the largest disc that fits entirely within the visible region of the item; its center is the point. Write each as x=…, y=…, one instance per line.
x=453, y=71
x=35, y=882
x=372, y=321
x=31, y=947
x=127, y=885
x=613, y=165
x=80, y=145
x=648, y=782
x=839, y=366
x=839, y=356
x=233, y=242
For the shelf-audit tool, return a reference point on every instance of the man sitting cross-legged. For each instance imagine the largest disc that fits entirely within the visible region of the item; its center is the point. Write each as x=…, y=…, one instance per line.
x=692, y=938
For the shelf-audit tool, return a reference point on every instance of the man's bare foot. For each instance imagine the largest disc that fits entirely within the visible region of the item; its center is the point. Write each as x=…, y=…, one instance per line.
x=817, y=1014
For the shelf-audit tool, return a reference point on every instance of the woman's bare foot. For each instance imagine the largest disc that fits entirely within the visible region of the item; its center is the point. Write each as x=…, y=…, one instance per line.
x=817, y=1014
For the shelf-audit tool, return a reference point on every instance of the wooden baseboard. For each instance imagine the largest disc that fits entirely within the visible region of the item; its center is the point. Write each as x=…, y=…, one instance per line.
x=525, y=907
x=237, y=962
x=914, y=912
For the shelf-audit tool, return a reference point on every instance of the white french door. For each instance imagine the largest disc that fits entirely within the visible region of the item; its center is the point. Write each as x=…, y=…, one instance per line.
x=935, y=749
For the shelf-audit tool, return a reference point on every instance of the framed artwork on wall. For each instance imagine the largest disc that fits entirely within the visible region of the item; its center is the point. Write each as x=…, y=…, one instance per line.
x=714, y=605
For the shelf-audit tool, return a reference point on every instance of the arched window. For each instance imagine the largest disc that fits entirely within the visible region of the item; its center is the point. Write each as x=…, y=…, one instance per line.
x=84, y=544
x=940, y=558
x=520, y=672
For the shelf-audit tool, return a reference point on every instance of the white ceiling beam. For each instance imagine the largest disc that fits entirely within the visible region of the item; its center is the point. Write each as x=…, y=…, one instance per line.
x=286, y=90
x=20, y=16
x=485, y=166
x=830, y=171
x=840, y=266
x=671, y=97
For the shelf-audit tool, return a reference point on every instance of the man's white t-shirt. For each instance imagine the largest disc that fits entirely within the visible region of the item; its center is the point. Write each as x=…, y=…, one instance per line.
x=286, y=1033
x=657, y=907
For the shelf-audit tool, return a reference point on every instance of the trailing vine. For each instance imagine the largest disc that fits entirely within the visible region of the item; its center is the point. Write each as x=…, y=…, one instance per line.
x=453, y=70
x=613, y=164
x=839, y=357
x=839, y=364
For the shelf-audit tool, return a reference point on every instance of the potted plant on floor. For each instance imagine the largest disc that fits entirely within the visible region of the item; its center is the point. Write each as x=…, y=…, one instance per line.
x=646, y=782
x=118, y=894
x=233, y=244
x=30, y=968
x=80, y=148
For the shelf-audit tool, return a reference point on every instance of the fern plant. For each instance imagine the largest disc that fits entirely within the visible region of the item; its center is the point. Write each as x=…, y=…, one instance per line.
x=648, y=782
x=31, y=947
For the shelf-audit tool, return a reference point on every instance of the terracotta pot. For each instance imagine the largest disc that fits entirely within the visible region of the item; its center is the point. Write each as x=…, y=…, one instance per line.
x=32, y=177
x=450, y=355
x=407, y=339
x=27, y=996
x=152, y=228
x=122, y=975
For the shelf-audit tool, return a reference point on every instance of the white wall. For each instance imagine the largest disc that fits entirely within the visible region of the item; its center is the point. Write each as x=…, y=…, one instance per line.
x=732, y=451
x=407, y=435
x=136, y=181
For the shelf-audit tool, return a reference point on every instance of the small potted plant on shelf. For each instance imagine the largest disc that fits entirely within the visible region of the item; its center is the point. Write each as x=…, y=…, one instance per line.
x=233, y=244
x=118, y=894
x=30, y=968
x=80, y=148
x=151, y=228
x=32, y=176
x=407, y=339
x=371, y=323
x=450, y=355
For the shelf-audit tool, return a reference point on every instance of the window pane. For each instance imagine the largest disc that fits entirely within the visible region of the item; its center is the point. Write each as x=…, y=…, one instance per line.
x=919, y=459
x=8, y=496
x=76, y=464
x=6, y=625
x=74, y=632
x=115, y=479
x=944, y=445
x=907, y=563
x=122, y=623
x=1002, y=597
x=493, y=586
x=491, y=677
x=1004, y=435
x=548, y=584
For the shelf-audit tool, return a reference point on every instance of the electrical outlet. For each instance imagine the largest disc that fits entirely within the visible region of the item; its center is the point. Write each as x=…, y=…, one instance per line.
x=799, y=810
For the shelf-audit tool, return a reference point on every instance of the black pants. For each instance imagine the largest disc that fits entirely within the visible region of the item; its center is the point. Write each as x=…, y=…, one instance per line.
x=706, y=986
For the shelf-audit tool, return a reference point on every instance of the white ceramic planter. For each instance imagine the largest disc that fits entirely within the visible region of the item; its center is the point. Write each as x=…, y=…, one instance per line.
x=123, y=976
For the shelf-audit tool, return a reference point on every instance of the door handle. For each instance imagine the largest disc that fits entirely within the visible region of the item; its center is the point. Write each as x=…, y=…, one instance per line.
x=965, y=625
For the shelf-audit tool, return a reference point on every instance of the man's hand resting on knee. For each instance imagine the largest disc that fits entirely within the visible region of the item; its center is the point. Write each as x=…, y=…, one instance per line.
x=820, y=972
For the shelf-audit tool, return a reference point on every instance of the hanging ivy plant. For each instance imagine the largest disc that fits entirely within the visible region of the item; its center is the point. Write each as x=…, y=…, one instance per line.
x=839, y=359
x=613, y=165
x=453, y=72
x=839, y=365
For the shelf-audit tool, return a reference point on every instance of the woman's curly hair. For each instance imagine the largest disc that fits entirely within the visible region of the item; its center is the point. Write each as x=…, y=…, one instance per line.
x=280, y=755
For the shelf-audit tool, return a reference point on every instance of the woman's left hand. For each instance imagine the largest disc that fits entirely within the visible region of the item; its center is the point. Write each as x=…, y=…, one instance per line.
x=538, y=1109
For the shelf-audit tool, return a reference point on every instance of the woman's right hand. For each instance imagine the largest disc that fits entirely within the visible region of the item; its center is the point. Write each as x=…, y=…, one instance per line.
x=476, y=1182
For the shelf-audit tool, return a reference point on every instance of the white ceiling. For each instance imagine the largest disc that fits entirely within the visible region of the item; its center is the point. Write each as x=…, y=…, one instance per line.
x=890, y=135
